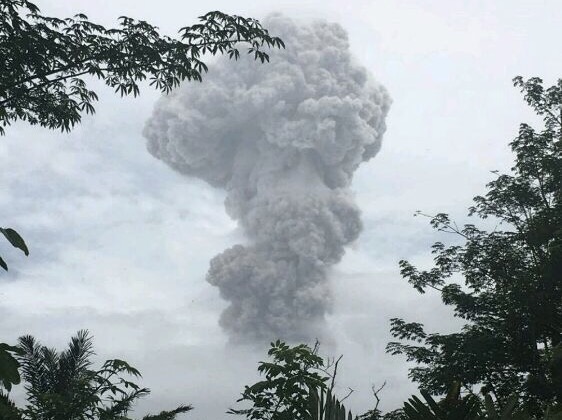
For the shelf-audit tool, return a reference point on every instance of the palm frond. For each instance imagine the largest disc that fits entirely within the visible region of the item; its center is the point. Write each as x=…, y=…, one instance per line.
x=33, y=368
x=169, y=415
x=121, y=406
x=75, y=361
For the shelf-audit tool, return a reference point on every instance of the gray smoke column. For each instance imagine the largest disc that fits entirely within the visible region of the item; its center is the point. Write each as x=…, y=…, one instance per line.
x=283, y=139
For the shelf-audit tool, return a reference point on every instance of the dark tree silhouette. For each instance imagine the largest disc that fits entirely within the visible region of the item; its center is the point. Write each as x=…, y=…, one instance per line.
x=511, y=296
x=64, y=385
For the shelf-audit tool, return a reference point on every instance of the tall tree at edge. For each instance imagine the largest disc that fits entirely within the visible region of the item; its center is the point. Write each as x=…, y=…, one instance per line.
x=511, y=296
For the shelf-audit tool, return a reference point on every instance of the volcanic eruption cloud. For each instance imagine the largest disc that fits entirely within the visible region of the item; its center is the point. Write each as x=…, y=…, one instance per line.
x=283, y=139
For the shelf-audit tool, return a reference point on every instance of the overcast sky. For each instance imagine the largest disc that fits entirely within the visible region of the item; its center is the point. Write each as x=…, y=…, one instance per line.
x=120, y=243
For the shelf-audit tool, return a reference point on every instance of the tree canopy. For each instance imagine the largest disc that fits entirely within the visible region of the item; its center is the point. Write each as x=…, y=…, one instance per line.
x=289, y=379
x=45, y=59
x=64, y=385
x=511, y=294
x=298, y=385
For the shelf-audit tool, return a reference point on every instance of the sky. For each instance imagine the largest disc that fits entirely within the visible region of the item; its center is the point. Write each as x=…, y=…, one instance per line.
x=120, y=244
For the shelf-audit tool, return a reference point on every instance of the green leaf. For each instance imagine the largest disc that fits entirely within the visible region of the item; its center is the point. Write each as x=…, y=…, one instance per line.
x=15, y=239
x=9, y=367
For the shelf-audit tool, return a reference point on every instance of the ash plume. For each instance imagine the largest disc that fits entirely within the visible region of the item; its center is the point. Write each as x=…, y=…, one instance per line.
x=283, y=139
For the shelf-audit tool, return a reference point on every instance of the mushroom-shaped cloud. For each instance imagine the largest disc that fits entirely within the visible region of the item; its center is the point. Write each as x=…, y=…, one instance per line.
x=283, y=139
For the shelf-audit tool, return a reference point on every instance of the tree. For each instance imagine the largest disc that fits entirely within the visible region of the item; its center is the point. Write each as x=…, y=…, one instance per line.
x=62, y=386
x=289, y=378
x=44, y=59
x=450, y=408
x=511, y=296
x=468, y=407
x=298, y=385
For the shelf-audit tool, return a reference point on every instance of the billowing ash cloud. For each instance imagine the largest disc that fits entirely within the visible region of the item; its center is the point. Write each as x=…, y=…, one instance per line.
x=283, y=139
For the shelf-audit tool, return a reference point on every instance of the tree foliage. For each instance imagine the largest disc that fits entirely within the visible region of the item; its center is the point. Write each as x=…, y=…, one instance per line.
x=63, y=385
x=16, y=241
x=45, y=59
x=289, y=378
x=9, y=376
x=469, y=407
x=511, y=294
x=298, y=385
x=9, y=366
